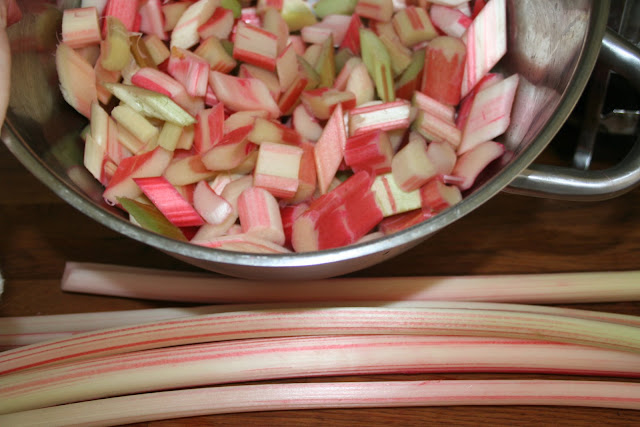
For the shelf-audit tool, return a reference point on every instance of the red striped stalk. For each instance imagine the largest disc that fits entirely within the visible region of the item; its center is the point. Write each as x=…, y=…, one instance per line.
x=326, y=321
x=273, y=397
x=25, y=330
x=277, y=358
x=553, y=288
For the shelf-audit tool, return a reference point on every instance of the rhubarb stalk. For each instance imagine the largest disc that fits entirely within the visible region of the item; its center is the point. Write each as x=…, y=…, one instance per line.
x=273, y=397
x=276, y=358
x=325, y=321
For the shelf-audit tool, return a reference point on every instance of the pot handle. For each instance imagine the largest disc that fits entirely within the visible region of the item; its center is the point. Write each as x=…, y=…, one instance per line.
x=565, y=183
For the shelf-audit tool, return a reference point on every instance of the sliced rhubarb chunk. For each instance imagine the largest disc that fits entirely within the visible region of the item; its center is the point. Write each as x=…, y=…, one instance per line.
x=152, y=163
x=214, y=209
x=391, y=199
x=329, y=149
x=411, y=166
x=378, y=62
x=277, y=169
x=255, y=46
x=490, y=113
x=437, y=196
x=378, y=10
x=151, y=104
x=125, y=11
x=80, y=27
x=340, y=217
x=486, y=41
x=77, y=79
x=187, y=170
x=185, y=33
x=371, y=152
x=259, y=215
x=474, y=161
x=150, y=218
x=230, y=152
x=381, y=116
x=240, y=94
x=449, y=20
x=244, y=243
x=395, y=223
x=413, y=26
x=169, y=201
x=444, y=69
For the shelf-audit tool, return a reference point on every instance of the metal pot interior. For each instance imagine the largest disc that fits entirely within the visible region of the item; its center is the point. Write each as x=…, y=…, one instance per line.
x=552, y=45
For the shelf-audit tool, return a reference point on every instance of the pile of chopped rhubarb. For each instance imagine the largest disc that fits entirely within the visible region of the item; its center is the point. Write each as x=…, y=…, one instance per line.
x=284, y=126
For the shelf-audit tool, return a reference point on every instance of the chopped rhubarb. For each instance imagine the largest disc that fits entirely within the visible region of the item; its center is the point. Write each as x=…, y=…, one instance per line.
x=340, y=217
x=169, y=201
x=185, y=33
x=305, y=124
x=381, y=116
x=391, y=199
x=449, y=20
x=474, y=161
x=80, y=27
x=413, y=26
x=77, y=79
x=351, y=38
x=255, y=46
x=436, y=196
x=322, y=101
x=378, y=10
x=230, y=151
x=150, y=218
x=259, y=215
x=329, y=149
x=411, y=166
x=277, y=169
x=152, y=19
x=307, y=176
x=125, y=11
x=486, y=41
x=443, y=69
x=272, y=131
x=209, y=128
x=219, y=25
x=490, y=113
x=186, y=170
x=435, y=129
x=395, y=223
x=214, y=209
x=371, y=152
x=243, y=94
x=189, y=69
x=152, y=163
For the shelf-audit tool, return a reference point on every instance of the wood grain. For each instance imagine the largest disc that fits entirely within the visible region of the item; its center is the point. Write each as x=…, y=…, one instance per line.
x=509, y=234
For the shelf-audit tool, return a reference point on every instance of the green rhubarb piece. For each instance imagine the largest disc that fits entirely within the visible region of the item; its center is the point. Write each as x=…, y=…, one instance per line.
x=297, y=14
x=414, y=68
x=234, y=6
x=378, y=63
x=326, y=65
x=341, y=57
x=150, y=104
x=228, y=46
x=312, y=75
x=334, y=7
x=150, y=218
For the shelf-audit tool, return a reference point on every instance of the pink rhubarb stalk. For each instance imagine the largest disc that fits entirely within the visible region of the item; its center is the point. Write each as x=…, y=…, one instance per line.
x=555, y=288
x=276, y=358
x=273, y=397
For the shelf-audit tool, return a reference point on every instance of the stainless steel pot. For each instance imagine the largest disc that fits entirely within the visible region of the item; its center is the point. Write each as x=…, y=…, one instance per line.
x=553, y=45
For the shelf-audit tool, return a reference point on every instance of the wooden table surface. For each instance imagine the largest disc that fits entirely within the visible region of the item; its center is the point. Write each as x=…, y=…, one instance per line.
x=509, y=234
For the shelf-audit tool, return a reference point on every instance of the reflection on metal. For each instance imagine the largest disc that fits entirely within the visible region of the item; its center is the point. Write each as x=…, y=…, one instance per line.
x=620, y=122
